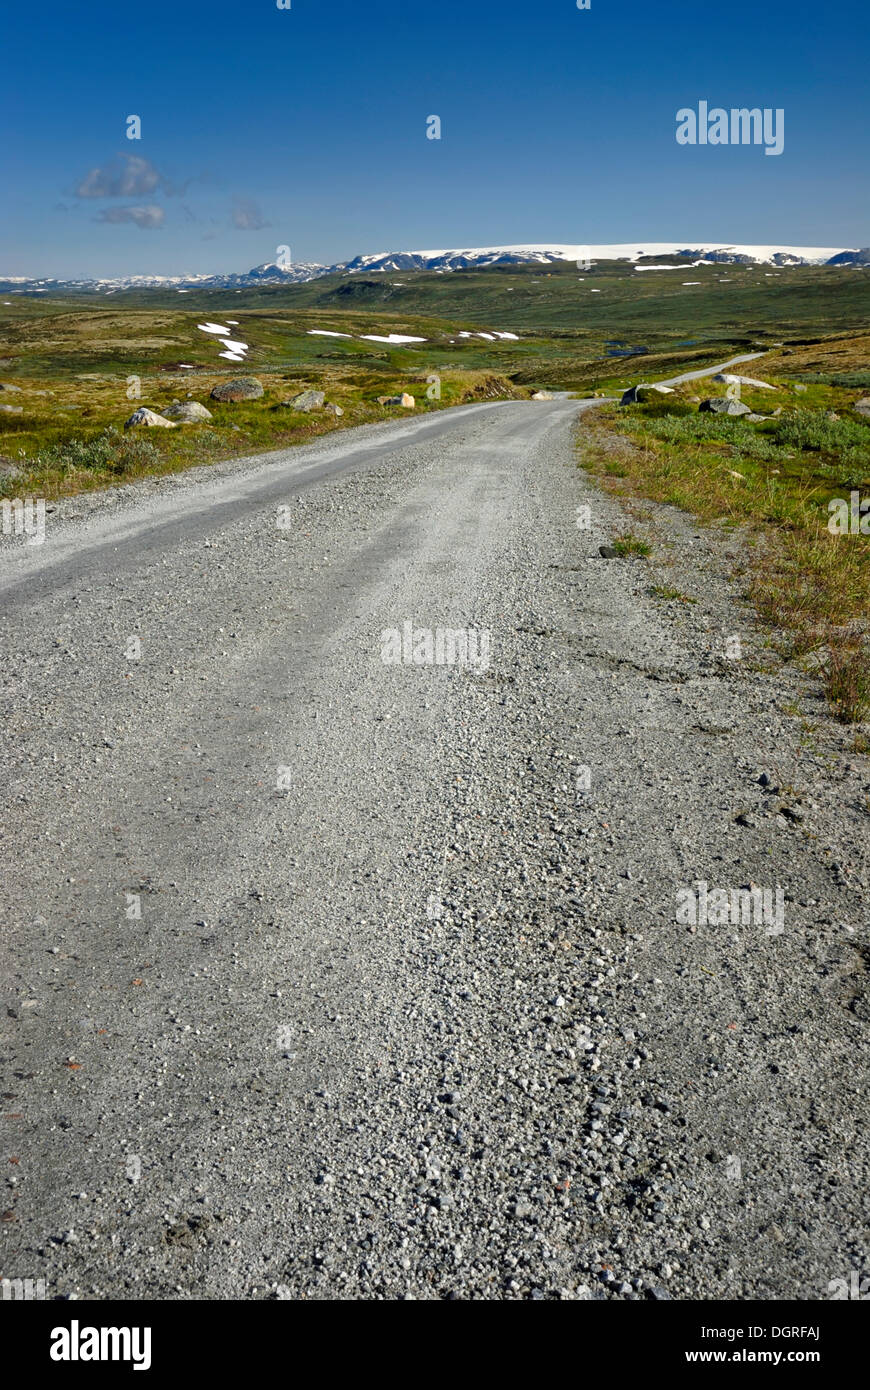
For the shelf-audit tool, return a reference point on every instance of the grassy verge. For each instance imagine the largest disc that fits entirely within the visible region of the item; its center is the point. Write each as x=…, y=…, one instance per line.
x=775, y=478
x=71, y=439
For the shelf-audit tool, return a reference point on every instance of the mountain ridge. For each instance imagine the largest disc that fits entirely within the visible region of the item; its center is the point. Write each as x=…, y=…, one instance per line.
x=445, y=261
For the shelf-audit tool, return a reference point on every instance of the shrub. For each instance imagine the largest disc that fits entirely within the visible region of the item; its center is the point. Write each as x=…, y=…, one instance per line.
x=849, y=440
x=110, y=452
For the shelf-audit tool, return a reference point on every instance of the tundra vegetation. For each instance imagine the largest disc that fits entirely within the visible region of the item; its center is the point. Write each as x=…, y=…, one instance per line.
x=774, y=475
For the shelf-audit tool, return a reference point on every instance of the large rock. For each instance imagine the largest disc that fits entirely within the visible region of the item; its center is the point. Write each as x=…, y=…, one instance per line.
x=187, y=412
x=4, y=386
x=649, y=393
x=644, y=391
x=722, y=405
x=245, y=388
x=144, y=416
x=862, y=407
x=745, y=381
x=306, y=400
x=12, y=409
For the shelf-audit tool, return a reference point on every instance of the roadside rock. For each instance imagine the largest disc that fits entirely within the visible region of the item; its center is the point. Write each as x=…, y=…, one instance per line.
x=744, y=381
x=305, y=400
x=187, y=412
x=144, y=416
x=721, y=405
x=244, y=388
x=644, y=391
x=649, y=393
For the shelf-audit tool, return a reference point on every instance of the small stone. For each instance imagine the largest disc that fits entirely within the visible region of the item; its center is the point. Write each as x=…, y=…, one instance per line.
x=149, y=418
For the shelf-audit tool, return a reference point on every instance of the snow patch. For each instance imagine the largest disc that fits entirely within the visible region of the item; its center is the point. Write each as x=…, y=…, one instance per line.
x=390, y=338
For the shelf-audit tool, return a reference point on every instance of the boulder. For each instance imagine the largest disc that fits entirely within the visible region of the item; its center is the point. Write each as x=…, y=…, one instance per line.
x=644, y=391
x=12, y=409
x=333, y=409
x=5, y=387
x=244, y=388
x=722, y=405
x=862, y=407
x=649, y=393
x=745, y=381
x=305, y=400
x=144, y=416
x=186, y=412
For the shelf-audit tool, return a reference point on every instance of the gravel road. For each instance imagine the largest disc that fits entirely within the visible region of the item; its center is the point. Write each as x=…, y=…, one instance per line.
x=329, y=976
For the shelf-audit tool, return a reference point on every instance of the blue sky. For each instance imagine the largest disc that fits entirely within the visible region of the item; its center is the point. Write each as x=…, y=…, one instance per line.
x=307, y=127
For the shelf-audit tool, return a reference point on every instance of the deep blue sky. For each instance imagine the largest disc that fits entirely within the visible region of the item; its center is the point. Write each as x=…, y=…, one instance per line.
x=558, y=125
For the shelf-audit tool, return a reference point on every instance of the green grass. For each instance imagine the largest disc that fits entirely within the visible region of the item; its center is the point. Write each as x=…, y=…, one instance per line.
x=775, y=479
x=631, y=545
x=74, y=440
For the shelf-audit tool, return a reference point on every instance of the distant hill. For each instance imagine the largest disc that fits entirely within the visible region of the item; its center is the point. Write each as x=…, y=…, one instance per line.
x=675, y=254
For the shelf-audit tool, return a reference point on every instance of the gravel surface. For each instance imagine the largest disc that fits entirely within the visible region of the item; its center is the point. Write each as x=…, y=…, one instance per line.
x=407, y=1010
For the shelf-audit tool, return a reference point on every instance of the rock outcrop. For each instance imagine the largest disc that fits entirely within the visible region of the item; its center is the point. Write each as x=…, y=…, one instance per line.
x=245, y=388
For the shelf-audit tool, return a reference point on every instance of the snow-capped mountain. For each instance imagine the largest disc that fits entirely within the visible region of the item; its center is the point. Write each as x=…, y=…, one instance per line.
x=547, y=253
x=444, y=261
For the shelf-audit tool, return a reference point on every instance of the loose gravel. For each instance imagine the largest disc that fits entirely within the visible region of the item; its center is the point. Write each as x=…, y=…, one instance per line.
x=330, y=978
